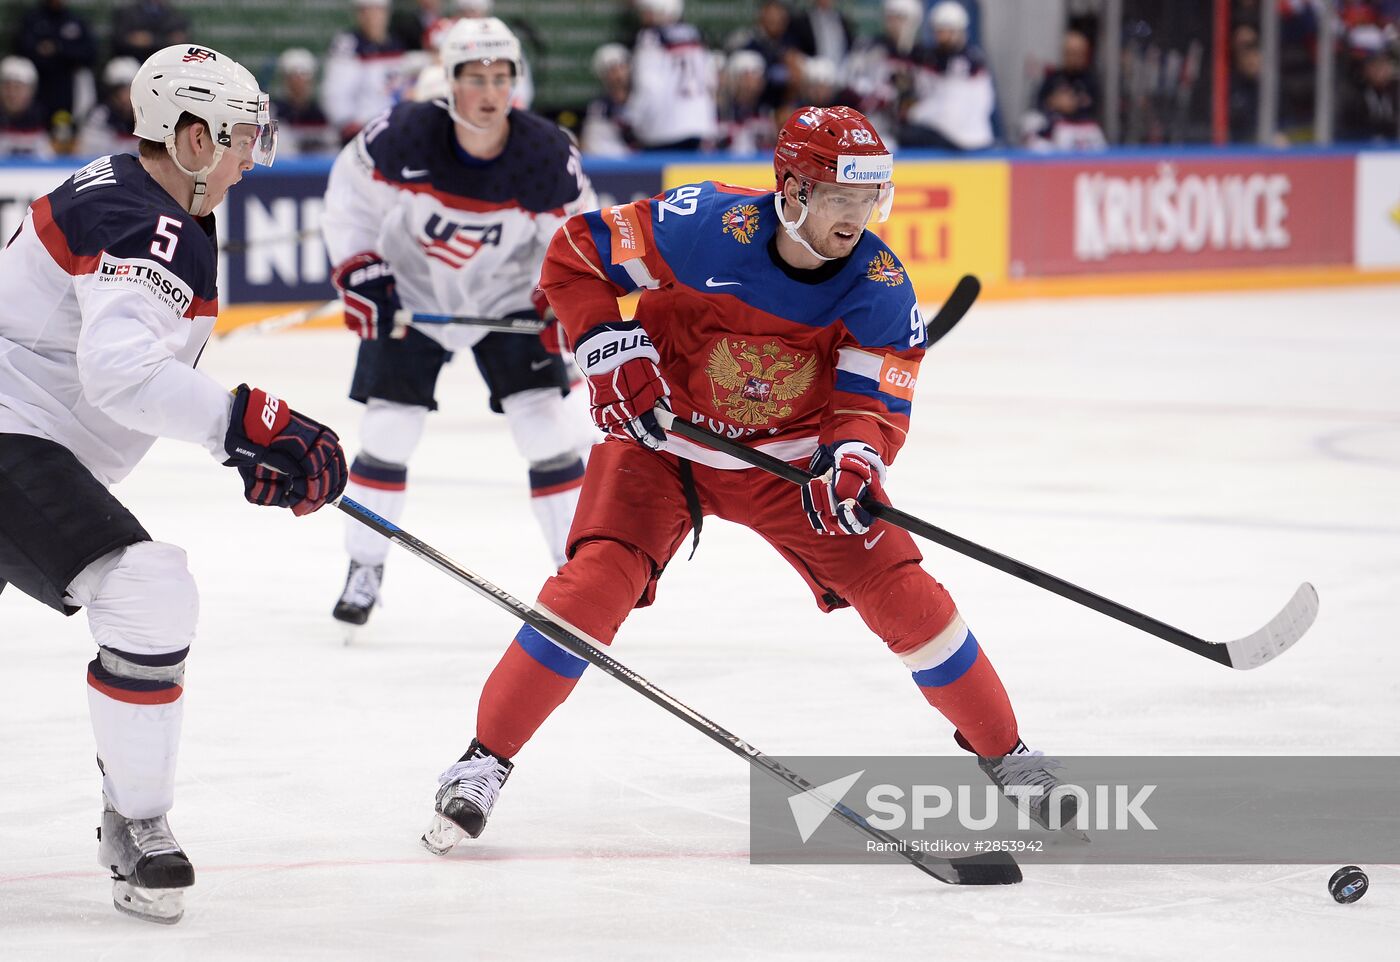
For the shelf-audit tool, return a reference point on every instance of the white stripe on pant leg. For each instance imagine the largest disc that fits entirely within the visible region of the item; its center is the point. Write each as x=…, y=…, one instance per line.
x=937, y=649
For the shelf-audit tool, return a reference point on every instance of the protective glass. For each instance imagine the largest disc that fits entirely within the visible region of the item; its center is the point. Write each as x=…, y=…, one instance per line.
x=844, y=204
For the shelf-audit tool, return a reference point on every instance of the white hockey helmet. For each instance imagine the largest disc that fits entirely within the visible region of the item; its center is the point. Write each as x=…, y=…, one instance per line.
x=480, y=40
x=904, y=9
x=608, y=56
x=665, y=11
x=297, y=60
x=190, y=79
x=948, y=15
x=120, y=71
x=743, y=62
x=20, y=70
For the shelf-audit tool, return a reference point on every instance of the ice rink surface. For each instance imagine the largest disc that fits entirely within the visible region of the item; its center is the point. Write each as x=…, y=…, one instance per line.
x=1195, y=457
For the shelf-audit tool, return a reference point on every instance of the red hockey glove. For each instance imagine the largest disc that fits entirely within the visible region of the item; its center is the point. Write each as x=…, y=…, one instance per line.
x=553, y=338
x=846, y=472
x=366, y=285
x=625, y=381
x=286, y=459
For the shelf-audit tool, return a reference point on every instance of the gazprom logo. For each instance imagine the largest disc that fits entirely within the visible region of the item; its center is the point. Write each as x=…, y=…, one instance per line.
x=865, y=170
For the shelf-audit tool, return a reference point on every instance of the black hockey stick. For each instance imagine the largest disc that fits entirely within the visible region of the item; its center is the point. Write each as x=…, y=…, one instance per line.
x=952, y=311
x=996, y=868
x=958, y=303
x=403, y=318
x=1251, y=651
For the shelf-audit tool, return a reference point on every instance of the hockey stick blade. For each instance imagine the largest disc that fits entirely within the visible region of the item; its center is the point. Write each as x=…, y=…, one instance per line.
x=989, y=869
x=1280, y=634
x=1251, y=651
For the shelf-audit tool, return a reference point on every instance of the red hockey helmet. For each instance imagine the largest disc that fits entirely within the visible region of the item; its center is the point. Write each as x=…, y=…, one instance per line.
x=834, y=145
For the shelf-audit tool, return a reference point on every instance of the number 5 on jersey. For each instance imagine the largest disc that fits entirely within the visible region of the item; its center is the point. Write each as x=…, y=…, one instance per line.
x=165, y=231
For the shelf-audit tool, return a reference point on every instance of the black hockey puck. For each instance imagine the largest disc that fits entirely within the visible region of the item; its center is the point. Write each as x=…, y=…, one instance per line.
x=1348, y=884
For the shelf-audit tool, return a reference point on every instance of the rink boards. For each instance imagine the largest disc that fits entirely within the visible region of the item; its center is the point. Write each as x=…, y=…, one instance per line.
x=1118, y=222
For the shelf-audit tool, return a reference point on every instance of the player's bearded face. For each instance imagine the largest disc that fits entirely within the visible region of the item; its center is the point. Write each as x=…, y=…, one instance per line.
x=836, y=217
x=482, y=92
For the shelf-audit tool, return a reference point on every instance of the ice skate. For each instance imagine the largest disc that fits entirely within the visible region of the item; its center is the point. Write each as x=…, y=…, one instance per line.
x=149, y=871
x=1023, y=767
x=359, y=596
x=464, y=802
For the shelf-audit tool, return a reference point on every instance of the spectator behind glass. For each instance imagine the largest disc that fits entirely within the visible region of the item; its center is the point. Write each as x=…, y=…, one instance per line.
x=1054, y=128
x=24, y=131
x=821, y=85
x=302, y=127
x=1369, y=113
x=365, y=70
x=952, y=99
x=673, y=82
x=59, y=44
x=770, y=39
x=108, y=127
x=879, y=71
x=747, y=125
x=1076, y=72
x=606, y=130
x=140, y=29
x=412, y=26
x=822, y=31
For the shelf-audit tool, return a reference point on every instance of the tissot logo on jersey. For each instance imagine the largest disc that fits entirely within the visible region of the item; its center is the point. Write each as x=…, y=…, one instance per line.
x=454, y=243
x=148, y=276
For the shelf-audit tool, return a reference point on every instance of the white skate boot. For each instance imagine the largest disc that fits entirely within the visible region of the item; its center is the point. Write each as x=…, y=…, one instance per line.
x=1023, y=767
x=464, y=801
x=359, y=596
x=149, y=871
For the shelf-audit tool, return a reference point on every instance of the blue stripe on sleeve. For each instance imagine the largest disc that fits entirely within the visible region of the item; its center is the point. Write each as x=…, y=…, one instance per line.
x=602, y=239
x=855, y=384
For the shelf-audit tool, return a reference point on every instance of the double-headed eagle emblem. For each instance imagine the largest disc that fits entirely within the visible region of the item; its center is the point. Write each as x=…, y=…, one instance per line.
x=741, y=221
x=750, y=384
x=884, y=269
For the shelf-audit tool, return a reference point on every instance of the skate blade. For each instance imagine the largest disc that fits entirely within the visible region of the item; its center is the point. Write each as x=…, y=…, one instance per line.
x=348, y=633
x=162, y=906
x=442, y=835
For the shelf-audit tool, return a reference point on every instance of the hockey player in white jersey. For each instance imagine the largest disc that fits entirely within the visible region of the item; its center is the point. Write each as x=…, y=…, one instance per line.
x=674, y=81
x=107, y=296
x=448, y=207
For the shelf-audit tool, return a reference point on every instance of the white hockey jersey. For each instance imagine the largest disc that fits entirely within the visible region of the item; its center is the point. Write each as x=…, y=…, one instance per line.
x=107, y=296
x=673, y=86
x=954, y=95
x=363, y=79
x=463, y=236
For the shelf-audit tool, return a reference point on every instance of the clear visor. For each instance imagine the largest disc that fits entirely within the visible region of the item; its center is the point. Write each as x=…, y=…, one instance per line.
x=846, y=204
x=255, y=142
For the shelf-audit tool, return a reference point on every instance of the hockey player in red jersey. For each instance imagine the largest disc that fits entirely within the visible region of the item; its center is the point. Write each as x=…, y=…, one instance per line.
x=771, y=317
x=108, y=293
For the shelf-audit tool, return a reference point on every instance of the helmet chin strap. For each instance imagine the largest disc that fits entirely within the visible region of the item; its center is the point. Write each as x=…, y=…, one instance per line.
x=792, y=226
x=201, y=177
